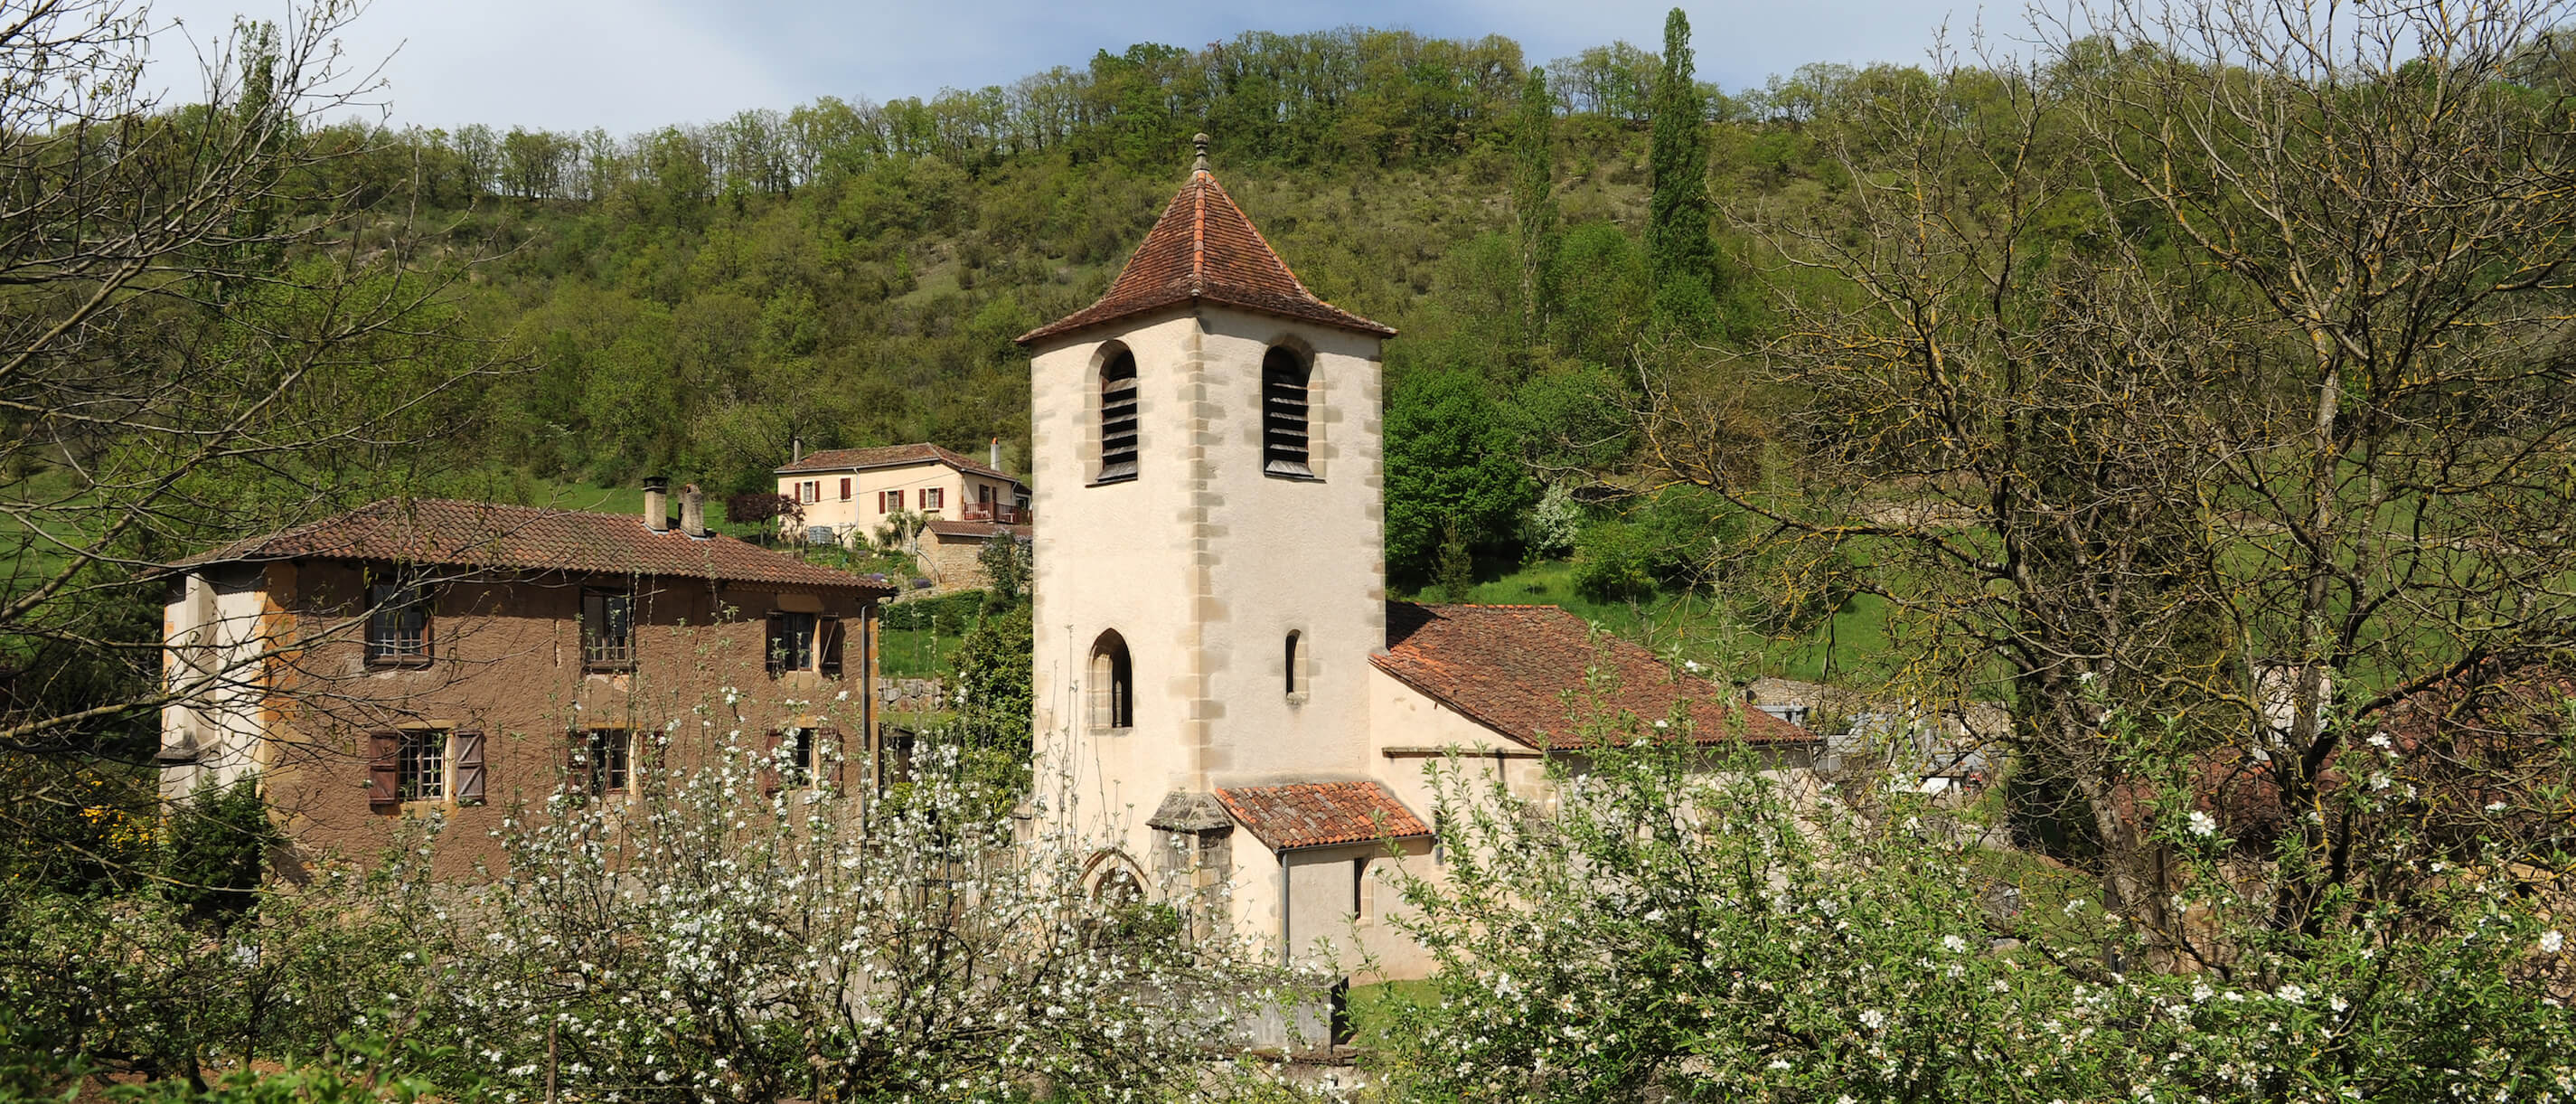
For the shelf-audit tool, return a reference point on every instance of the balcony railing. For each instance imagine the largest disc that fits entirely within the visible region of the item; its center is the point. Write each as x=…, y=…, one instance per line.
x=998, y=513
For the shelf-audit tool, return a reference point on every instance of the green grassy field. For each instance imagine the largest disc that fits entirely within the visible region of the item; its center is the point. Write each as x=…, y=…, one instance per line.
x=916, y=653
x=1376, y=1009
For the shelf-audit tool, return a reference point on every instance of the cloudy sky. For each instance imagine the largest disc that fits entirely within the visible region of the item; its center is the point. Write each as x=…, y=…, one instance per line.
x=629, y=65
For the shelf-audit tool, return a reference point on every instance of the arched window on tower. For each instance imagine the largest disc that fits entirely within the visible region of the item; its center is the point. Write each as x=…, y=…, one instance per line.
x=1112, y=685
x=1118, y=418
x=1284, y=376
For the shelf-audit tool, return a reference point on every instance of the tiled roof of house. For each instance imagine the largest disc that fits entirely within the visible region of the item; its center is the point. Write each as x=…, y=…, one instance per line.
x=888, y=456
x=1519, y=670
x=1204, y=249
x=450, y=533
x=1318, y=814
x=947, y=528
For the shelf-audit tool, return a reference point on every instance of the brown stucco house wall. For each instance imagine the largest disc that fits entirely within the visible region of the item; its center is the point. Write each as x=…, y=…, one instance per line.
x=506, y=690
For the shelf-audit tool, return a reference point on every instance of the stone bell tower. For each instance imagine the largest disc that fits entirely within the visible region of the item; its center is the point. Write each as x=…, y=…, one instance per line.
x=1210, y=537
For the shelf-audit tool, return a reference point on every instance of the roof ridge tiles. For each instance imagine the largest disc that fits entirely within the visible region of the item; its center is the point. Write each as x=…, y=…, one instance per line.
x=471, y=534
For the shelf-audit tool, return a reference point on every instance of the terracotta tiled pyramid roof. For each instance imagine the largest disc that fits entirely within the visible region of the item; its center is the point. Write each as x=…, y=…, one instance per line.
x=1512, y=669
x=888, y=456
x=1318, y=814
x=1203, y=249
x=449, y=533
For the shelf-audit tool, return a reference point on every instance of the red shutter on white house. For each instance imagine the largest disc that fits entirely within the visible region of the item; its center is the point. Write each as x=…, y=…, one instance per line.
x=384, y=769
x=469, y=768
x=845, y=490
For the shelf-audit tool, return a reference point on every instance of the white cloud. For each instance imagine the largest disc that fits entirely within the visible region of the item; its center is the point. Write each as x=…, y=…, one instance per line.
x=556, y=64
x=631, y=65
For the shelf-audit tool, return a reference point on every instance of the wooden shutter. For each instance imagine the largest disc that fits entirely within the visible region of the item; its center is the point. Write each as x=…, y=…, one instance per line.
x=384, y=769
x=469, y=767
x=828, y=747
x=769, y=762
x=577, y=764
x=827, y=644
x=845, y=489
x=773, y=647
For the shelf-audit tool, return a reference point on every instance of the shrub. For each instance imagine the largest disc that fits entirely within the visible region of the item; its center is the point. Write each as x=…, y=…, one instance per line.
x=1553, y=526
x=217, y=849
x=948, y=614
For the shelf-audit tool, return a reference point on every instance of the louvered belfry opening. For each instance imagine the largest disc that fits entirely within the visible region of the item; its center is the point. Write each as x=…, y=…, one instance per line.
x=1283, y=413
x=1118, y=418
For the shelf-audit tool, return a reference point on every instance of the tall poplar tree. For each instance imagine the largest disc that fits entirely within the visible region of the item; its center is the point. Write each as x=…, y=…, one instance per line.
x=1534, y=200
x=1681, y=260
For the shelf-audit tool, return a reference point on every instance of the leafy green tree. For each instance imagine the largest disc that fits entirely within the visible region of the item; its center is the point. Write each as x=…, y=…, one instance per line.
x=994, y=688
x=1603, y=293
x=1007, y=570
x=1681, y=258
x=1534, y=202
x=1449, y=462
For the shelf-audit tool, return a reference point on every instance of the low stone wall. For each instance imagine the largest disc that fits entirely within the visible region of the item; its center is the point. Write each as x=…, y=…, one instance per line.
x=914, y=695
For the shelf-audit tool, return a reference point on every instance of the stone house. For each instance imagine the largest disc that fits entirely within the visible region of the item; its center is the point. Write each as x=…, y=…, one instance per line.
x=419, y=657
x=1223, y=689
x=951, y=552
x=853, y=491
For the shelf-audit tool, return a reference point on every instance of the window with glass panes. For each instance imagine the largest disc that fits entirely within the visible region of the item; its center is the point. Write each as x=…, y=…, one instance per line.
x=397, y=623
x=608, y=629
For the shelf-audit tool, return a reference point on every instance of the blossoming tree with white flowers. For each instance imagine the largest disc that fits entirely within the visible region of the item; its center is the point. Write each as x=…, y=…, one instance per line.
x=1663, y=926
x=741, y=931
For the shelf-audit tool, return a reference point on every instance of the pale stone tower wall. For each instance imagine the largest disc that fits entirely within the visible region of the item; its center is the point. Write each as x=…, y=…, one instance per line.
x=1204, y=564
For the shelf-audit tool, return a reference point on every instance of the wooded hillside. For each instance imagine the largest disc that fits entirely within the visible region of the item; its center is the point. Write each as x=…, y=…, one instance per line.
x=693, y=299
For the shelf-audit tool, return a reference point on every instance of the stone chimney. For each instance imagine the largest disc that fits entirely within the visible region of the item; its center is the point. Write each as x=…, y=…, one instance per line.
x=693, y=511
x=796, y=449
x=657, y=503
x=997, y=454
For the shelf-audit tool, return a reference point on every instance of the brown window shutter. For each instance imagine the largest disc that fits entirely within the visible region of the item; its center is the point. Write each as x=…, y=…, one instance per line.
x=577, y=765
x=384, y=769
x=835, y=757
x=827, y=644
x=773, y=645
x=469, y=768
x=769, y=762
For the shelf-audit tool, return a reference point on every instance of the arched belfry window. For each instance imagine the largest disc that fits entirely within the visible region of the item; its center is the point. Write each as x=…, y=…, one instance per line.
x=1284, y=377
x=1112, y=685
x=1118, y=417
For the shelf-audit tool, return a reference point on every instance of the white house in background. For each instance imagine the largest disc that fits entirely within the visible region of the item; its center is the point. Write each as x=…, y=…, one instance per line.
x=853, y=491
x=1223, y=688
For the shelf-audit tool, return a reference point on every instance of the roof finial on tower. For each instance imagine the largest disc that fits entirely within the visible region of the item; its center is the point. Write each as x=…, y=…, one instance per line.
x=1199, y=140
